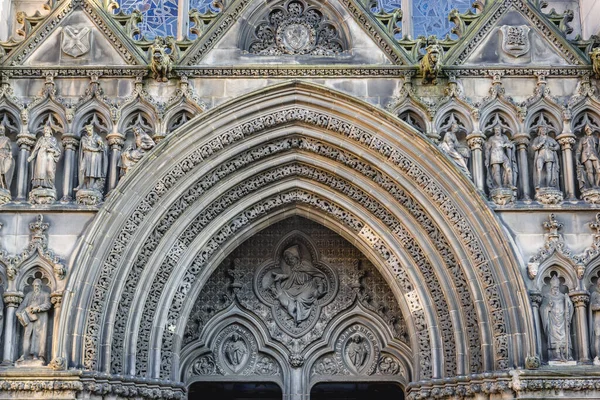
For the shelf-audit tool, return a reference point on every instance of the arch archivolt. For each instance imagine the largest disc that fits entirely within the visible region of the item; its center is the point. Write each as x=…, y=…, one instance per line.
x=448, y=238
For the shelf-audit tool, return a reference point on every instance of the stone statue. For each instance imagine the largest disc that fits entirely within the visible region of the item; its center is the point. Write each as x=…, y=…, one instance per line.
x=33, y=315
x=235, y=350
x=431, y=63
x=6, y=166
x=452, y=148
x=545, y=173
x=297, y=284
x=595, y=320
x=557, y=311
x=162, y=55
x=357, y=351
x=588, y=160
x=131, y=156
x=45, y=156
x=595, y=58
x=93, y=164
x=501, y=165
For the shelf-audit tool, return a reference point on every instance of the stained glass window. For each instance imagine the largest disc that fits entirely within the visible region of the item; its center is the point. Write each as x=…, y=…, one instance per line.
x=160, y=16
x=430, y=17
x=202, y=5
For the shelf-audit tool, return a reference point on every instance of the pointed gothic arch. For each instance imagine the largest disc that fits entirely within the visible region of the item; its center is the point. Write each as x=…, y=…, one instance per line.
x=263, y=157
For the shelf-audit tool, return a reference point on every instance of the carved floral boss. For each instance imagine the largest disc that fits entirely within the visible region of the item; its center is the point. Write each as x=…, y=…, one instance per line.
x=296, y=288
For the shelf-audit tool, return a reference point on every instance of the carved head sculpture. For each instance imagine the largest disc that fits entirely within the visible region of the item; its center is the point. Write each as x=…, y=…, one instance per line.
x=47, y=130
x=89, y=129
x=497, y=129
x=2, y=130
x=356, y=339
x=292, y=255
x=454, y=127
x=37, y=285
x=542, y=130
x=588, y=130
x=554, y=284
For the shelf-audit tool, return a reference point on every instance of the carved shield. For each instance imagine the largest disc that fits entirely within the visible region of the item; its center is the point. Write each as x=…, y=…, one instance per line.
x=515, y=40
x=76, y=41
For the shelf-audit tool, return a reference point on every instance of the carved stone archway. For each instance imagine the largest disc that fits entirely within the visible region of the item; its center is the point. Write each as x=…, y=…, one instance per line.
x=298, y=149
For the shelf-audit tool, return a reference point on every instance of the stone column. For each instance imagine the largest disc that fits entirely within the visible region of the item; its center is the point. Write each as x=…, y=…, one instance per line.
x=12, y=300
x=566, y=141
x=56, y=299
x=116, y=141
x=25, y=143
x=580, y=300
x=70, y=144
x=475, y=142
x=522, y=141
x=536, y=299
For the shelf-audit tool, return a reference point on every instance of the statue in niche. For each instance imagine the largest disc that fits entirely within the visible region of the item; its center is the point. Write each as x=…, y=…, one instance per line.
x=588, y=160
x=452, y=148
x=545, y=160
x=595, y=58
x=33, y=315
x=557, y=312
x=93, y=164
x=357, y=351
x=235, y=350
x=45, y=156
x=501, y=165
x=595, y=320
x=131, y=156
x=6, y=166
x=297, y=284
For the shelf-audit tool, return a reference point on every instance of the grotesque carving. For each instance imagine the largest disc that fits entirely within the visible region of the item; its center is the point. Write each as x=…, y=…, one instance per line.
x=93, y=164
x=431, y=63
x=6, y=166
x=131, y=156
x=162, y=56
x=46, y=154
x=501, y=164
x=515, y=40
x=557, y=311
x=75, y=41
x=452, y=148
x=545, y=173
x=595, y=57
x=33, y=315
x=296, y=28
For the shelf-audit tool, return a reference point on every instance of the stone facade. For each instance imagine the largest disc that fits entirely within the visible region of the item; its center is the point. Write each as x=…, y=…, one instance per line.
x=299, y=192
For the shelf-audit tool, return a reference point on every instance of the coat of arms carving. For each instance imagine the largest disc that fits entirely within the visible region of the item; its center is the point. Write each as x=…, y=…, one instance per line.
x=515, y=39
x=75, y=42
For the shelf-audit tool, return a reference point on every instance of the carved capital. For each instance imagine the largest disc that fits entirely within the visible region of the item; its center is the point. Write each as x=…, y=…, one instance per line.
x=476, y=143
x=115, y=141
x=535, y=297
x=13, y=299
x=580, y=298
x=26, y=142
x=56, y=299
x=70, y=143
x=566, y=142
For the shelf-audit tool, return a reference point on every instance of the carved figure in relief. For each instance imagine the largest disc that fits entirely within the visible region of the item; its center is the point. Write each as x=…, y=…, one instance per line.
x=452, y=147
x=357, y=351
x=297, y=285
x=595, y=58
x=6, y=160
x=500, y=160
x=545, y=173
x=588, y=160
x=557, y=312
x=431, y=64
x=93, y=160
x=235, y=350
x=46, y=154
x=595, y=320
x=161, y=55
x=33, y=315
x=131, y=156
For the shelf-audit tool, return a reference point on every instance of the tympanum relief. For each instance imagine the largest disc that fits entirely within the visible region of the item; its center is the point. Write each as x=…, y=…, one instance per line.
x=294, y=283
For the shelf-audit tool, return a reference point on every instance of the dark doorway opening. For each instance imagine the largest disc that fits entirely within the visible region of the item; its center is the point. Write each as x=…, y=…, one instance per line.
x=357, y=391
x=234, y=391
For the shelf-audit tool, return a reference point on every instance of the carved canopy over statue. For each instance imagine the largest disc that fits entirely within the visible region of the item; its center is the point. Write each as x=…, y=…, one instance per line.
x=557, y=312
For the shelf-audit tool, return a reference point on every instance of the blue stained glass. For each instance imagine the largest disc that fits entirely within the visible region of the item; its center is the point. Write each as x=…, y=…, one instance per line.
x=160, y=16
x=430, y=17
x=203, y=6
